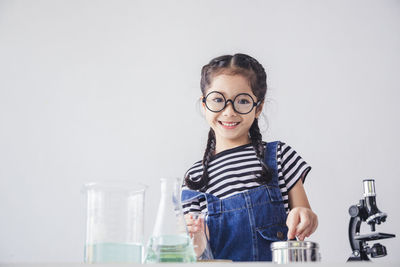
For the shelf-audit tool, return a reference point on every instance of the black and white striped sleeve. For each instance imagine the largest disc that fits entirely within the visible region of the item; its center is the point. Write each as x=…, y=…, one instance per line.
x=191, y=206
x=292, y=165
x=194, y=205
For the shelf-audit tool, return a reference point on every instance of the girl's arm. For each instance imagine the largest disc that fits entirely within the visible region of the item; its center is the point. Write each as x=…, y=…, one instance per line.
x=301, y=220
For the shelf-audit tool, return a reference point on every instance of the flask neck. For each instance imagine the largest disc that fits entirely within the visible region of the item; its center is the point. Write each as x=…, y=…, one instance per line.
x=169, y=220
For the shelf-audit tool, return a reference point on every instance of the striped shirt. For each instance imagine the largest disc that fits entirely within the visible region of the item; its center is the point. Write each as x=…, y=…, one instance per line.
x=235, y=170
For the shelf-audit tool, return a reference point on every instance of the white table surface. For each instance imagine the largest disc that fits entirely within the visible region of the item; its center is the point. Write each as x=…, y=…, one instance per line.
x=210, y=264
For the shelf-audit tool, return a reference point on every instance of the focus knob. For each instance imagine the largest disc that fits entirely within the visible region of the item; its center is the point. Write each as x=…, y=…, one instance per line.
x=354, y=211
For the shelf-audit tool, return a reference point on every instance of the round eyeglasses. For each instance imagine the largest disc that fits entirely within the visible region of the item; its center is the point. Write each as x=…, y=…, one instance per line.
x=242, y=103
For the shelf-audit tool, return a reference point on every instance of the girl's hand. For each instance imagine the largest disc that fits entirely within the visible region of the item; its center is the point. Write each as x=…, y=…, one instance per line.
x=194, y=225
x=198, y=234
x=302, y=222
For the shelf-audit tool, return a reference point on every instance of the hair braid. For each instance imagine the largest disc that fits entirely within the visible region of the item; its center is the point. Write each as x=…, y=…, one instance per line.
x=261, y=77
x=210, y=149
x=256, y=140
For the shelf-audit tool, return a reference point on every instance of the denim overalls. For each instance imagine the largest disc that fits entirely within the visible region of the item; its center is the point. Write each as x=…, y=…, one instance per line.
x=243, y=226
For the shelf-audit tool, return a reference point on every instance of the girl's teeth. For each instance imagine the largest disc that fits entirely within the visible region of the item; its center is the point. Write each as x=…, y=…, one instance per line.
x=229, y=124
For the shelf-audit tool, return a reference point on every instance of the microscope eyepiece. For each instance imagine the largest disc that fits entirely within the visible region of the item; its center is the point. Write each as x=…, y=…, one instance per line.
x=374, y=216
x=369, y=188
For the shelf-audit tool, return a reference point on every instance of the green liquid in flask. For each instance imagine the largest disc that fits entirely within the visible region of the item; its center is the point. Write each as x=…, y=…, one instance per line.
x=113, y=253
x=170, y=248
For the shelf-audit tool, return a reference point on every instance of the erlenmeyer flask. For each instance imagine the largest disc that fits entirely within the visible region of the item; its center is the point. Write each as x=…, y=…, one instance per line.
x=170, y=241
x=114, y=222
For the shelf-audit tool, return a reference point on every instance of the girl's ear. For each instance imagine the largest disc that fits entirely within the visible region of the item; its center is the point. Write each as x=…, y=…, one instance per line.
x=203, y=104
x=259, y=109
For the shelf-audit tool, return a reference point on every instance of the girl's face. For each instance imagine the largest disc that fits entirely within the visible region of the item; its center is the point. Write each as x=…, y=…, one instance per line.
x=231, y=128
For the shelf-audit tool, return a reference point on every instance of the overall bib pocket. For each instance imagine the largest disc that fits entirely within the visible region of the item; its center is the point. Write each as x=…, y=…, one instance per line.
x=266, y=236
x=272, y=233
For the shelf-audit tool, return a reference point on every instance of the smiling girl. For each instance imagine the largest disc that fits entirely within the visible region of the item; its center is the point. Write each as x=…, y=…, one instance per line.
x=252, y=191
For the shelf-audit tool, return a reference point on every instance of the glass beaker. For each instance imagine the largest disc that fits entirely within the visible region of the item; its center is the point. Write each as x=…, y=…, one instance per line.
x=170, y=241
x=115, y=225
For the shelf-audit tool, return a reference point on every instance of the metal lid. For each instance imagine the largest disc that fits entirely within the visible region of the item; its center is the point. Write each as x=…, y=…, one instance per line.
x=294, y=245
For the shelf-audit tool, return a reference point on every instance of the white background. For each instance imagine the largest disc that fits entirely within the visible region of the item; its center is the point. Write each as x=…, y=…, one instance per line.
x=94, y=90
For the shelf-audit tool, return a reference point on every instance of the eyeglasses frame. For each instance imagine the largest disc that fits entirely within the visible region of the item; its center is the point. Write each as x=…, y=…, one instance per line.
x=255, y=104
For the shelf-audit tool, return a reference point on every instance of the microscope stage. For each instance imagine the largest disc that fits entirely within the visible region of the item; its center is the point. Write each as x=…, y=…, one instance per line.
x=373, y=236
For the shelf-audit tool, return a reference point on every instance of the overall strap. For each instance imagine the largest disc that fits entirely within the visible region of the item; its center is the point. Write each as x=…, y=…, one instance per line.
x=270, y=160
x=213, y=203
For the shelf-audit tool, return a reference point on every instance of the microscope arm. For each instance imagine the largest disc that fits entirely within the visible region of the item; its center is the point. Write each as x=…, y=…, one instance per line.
x=356, y=245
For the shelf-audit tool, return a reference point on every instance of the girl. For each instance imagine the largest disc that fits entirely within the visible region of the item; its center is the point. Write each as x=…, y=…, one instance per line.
x=251, y=191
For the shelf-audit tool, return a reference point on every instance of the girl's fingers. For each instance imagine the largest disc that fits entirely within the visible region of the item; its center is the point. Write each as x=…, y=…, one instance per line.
x=200, y=223
x=193, y=229
x=302, y=222
x=306, y=233
x=313, y=224
x=311, y=229
x=189, y=220
x=303, y=225
x=291, y=222
x=194, y=225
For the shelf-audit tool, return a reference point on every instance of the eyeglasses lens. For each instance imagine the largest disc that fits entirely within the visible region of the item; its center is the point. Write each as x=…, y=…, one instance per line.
x=243, y=103
x=215, y=101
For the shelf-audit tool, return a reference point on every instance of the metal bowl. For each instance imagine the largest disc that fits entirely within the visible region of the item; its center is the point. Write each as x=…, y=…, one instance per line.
x=295, y=251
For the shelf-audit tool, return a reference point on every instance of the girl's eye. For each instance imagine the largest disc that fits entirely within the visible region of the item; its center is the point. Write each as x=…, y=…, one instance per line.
x=243, y=101
x=218, y=99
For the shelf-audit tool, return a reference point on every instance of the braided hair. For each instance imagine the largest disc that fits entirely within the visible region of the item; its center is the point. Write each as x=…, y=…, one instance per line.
x=251, y=69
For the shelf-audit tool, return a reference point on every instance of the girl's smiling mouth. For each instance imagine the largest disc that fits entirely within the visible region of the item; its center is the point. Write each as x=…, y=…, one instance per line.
x=228, y=125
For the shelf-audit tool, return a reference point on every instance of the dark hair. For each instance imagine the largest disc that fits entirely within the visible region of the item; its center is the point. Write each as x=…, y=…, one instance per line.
x=252, y=70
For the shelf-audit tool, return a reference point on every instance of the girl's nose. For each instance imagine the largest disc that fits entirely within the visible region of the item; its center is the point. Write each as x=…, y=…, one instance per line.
x=229, y=111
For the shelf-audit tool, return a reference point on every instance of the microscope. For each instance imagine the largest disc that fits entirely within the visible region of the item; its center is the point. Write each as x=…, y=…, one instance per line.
x=366, y=211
